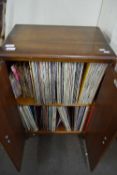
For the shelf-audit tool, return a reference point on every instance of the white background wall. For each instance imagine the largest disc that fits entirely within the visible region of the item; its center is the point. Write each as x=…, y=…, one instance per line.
x=59, y=12
x=108, y=22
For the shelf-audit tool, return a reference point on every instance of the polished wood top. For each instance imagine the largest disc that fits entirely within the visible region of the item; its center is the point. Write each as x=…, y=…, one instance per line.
x=57, y=43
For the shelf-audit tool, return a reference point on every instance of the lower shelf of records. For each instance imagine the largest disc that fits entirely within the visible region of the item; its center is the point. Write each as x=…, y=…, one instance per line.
x=58, y=120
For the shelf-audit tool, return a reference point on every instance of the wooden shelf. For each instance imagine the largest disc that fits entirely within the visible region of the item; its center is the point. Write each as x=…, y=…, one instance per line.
x=26, y=101
x=31, y=101
x=58, y=131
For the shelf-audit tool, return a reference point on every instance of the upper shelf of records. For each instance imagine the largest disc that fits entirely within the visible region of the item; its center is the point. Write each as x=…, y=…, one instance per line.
x=57, y=44
x=55, y=83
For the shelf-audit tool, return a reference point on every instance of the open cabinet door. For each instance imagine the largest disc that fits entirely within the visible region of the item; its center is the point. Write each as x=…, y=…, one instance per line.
x=11, y=130
x=102, y=127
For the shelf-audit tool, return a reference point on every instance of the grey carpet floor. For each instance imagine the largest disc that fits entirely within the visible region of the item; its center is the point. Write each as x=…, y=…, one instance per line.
x=58, y=155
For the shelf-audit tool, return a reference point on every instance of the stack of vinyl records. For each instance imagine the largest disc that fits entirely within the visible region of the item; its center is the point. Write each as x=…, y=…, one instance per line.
x=80, y=115
x=28, y=118
x=20, y=79
x=46, y=120
x=91, y=81
x=56, y=82
x=48, y=82
x=52, y=118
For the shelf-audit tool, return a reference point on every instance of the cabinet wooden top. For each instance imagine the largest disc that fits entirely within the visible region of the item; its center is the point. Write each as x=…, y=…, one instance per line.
x=56, y=43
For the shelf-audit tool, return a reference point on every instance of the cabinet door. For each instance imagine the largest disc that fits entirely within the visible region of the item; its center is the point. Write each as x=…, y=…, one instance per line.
x=103, y=124
x=11, y=130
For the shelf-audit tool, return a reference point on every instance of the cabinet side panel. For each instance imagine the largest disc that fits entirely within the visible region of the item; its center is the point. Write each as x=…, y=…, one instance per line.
x=103, y=124
x=11, y=130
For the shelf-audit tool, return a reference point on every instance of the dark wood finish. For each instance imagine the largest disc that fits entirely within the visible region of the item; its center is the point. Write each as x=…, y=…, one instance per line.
x=57, y=43
x=103, y=125
x=63, y=44
x=11, y=129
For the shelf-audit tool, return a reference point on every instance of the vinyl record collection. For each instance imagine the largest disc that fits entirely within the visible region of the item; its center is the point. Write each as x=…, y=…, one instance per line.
x=51, y=118
x=56, y=83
